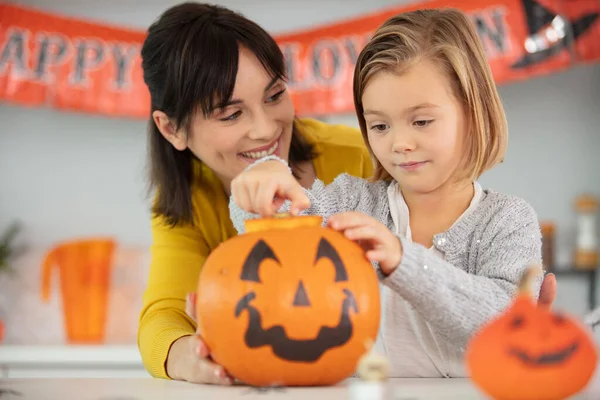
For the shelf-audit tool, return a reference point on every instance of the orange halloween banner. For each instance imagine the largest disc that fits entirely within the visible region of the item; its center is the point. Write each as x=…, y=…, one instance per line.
x=68, y=64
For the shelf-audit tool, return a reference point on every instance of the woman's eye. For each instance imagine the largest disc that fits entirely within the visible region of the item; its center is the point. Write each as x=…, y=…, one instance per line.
x=276, y=96
x=232, y=117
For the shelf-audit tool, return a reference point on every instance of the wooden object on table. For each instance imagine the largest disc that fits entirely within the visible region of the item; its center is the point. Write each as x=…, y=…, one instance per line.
x=586, y=248
x=373, y=371
x=373, y=367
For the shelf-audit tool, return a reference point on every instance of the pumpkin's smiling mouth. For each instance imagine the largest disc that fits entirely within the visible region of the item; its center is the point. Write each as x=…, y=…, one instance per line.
x=296, y=350
x=547, y=358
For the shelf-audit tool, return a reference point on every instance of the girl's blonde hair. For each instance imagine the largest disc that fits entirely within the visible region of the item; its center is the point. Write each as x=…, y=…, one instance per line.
x=448, y=38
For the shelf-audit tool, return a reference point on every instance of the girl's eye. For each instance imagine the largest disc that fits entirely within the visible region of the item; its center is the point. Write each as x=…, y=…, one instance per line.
x=275, y=97
x=232, y=117
x=379, y=127
x=423, y=122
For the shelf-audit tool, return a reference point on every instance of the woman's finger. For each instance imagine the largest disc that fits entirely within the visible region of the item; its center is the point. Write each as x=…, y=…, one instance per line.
x=190, y=305
x=199, y=347
x=204, y=369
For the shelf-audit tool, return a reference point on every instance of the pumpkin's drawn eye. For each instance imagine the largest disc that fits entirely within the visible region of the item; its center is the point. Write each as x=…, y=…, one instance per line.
x=517, y=322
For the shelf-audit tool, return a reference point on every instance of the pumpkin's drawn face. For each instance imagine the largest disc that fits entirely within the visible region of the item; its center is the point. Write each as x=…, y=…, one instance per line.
x=288, y=306
x=300, y=350
x=532, y=341
x=531, y=353
x=535, y=340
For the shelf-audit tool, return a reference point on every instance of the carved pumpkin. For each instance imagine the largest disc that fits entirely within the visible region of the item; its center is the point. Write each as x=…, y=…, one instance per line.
x=531, y=353
x=288, y=303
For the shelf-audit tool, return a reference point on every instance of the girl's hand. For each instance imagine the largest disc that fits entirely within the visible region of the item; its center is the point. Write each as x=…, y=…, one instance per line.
x=375, y=238
x=189, y=357
x=263, y=189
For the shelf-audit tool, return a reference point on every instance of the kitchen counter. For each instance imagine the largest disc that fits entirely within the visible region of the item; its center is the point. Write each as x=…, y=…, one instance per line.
x=141, y=389
x=71, y=361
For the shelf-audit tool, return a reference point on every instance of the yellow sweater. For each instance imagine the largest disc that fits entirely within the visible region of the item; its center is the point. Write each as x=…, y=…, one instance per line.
x=177, y=254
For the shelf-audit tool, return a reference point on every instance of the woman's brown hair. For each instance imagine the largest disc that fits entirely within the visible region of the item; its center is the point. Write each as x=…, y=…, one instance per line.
x=190, y=62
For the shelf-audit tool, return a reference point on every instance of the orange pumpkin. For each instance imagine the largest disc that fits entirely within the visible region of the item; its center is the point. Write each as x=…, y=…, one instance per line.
x=288, y=303
x=531, y=353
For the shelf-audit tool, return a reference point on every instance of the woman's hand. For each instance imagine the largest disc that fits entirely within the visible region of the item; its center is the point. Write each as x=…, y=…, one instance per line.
x=189, y=357
x=375, y=238
x=263, y=189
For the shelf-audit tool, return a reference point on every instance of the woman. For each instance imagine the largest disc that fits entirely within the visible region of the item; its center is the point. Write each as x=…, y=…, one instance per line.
x=219, y=102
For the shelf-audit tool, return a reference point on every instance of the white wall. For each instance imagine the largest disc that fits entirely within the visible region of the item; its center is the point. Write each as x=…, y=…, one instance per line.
x=68, y=175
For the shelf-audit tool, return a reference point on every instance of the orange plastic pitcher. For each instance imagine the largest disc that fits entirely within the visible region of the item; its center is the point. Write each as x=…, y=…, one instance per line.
x=85, y=268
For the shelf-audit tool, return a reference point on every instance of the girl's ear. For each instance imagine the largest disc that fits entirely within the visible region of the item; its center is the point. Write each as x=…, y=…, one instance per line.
x=176, y=137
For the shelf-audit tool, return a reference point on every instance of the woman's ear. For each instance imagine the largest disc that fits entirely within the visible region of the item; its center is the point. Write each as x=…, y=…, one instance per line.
x=176, y=137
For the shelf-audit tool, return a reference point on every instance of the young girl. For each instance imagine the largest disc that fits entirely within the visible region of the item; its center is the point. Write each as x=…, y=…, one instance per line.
x=449, y=254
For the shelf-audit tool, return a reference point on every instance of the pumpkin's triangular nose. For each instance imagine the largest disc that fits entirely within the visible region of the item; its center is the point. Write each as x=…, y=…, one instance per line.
x=301, y=298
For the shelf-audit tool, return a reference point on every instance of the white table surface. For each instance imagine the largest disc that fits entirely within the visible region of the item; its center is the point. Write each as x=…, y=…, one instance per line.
x=70, y=354
x=142, y=389
x=70, y=361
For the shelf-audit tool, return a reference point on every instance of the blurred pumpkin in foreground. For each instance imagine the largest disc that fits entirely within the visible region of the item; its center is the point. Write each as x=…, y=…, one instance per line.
x=531, y=353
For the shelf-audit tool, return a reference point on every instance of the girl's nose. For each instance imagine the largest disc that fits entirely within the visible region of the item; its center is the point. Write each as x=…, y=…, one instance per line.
x=403, y=143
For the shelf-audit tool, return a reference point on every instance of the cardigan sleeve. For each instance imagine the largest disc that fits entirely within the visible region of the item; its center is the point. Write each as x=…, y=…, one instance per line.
x=345, y=193
x=456, y=302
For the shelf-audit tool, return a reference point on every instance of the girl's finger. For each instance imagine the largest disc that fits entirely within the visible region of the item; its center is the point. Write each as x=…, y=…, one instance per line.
x=253, y=192
x=347, y=220
x=241, y=197
x=299, y=199
x=264, y=197
x=365, y=232
x=377, y=255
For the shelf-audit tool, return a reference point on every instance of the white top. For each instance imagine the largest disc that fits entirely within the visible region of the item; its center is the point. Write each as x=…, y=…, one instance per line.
x=405, y=338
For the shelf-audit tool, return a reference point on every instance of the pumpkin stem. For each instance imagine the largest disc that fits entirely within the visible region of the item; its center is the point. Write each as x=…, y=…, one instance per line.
x=282, y=221
x=527, y=278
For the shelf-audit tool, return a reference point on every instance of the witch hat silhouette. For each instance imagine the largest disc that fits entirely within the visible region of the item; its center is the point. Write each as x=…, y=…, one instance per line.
x=549, y=33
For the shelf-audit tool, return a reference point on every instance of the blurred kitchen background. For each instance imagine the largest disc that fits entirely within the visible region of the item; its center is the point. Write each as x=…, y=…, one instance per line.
x=68, y=175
